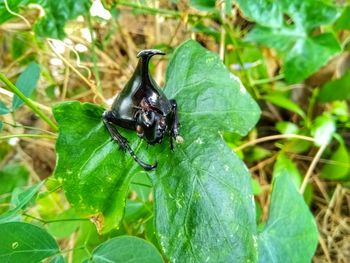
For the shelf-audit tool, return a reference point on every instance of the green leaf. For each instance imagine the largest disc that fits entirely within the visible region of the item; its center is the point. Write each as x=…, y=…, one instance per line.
x=343, y=20
x=338, y=89
x=290, y=226
x=64, y=228
x=283, y=163
x=204, y=5
x=3, y=108
x=207, y=94
x=302, y=51
x=283, y=102
x=203, y=186
x=19, y=201
x=126, y=249
x=12, y=176
x=286, y=127
x=57, y=14
x=57, y=259
x=90, y=162
x=265, y=13
x=27, y=83
x=22, y=242
x=340, y=166
x=14, y=6
x=323, y=129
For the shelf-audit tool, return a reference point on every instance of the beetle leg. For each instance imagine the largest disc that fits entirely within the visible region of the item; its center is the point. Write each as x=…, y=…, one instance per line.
x=174, y=131
x=108, y=118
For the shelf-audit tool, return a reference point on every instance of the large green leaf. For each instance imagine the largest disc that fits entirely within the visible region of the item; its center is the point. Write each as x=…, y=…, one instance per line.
x=22, y=242
x=26, y=82
x=290, y=227
x=95, y=173
x=203, y=193
x=126, y=249
x=302, y=51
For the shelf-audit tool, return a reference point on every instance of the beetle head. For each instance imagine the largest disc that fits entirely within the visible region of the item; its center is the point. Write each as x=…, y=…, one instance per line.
x=151, y=126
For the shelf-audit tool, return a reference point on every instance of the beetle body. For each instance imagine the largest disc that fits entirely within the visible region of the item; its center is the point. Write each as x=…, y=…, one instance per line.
x=142, y=106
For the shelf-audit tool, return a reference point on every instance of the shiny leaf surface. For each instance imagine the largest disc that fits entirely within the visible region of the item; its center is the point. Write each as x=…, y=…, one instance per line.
x=203, y=197
x=95, y=173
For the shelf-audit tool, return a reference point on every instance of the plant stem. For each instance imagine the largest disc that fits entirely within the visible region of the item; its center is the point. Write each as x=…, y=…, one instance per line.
x=93, y=53
x=274, y=137
x=27, y=101
x=47, y=136
x=54, y=221
x=265, y=81
x=312, y=167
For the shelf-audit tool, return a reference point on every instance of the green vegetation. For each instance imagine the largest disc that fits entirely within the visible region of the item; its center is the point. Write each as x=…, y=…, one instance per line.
x=262, y=174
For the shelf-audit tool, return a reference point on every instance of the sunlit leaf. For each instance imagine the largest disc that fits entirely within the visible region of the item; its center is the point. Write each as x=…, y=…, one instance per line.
x=343, y=20
x=323, y=129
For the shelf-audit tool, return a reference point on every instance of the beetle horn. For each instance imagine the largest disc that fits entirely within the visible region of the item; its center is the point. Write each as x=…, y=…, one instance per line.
x=147, y=53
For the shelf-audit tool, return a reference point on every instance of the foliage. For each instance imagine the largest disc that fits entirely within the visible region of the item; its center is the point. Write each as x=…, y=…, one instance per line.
x=218, y=197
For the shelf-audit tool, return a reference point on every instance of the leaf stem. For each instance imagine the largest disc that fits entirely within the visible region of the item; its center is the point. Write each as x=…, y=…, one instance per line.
x=274, y=137
x=47, y=136
x=56, y=220
x=265, y=81
x=93, y=53
x=312, y=167
x=27, y=101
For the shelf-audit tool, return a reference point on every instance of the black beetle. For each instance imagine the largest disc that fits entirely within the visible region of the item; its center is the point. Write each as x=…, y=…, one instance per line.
x=143, y=107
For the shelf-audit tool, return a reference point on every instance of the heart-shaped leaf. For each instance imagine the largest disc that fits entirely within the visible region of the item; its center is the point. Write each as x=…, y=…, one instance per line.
x=203, y=196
